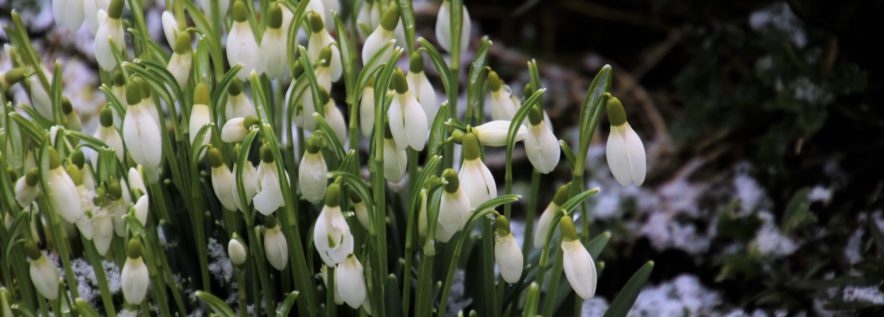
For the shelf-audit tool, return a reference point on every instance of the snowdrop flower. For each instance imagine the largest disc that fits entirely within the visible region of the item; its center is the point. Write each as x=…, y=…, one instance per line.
x=268, y=198
x=273, y=45
x=238, y=104
x=26, y=189
x=141, y=131
x=170, y=27
x=222, y=179
x=110, y=31
x=454, y=207
x=236, y=250
x=381, y=35
x=421, y=87
x=275, y=246
x=43, y=273
x=350, y=282
x=250, y=185
x=323, y=274
x=577, y=262
x=68, y=13
x=39, y=96
x=333, y=116
x=84, y=223
x=200, y=114
x=507, y=254
x=361, y=211
x=407, y=119
x=102, y=229
x=366, y=109
x=477, y=181
x=134, y=279
x=443, y=27
x=501, y=103
x=141, y=209
x=331, y=6
x=323, y=70
x=235, y=129
x=368, y=18
x=312, y=172
x=92, y=9
x=395, y=158
x=319, y=39
x=242, y=47
x=331, y=233
x=303, y=116
x=179, y=63
x=625, y=151
x=494, y=133
x=108, y=134
x=206, y=5
x=541, y=145
x=64, y=197
x=71, y=119
x=546, y=217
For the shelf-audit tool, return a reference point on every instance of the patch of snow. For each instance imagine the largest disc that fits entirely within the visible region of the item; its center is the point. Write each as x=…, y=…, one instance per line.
x=867, y=294
x=664, y=232
x=87, y=284
x=456, y=300
x=112, y=273
x=594, y=307
x=804, y=89
x=779, y=18
x=820, y=193
x=853, y=250
x=127, y=313
x=748, y=192
x=769, y=241
x=683, y=296
x=220, y=267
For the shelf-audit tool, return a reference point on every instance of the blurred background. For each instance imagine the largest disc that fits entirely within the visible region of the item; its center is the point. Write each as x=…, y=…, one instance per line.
x=762, y=122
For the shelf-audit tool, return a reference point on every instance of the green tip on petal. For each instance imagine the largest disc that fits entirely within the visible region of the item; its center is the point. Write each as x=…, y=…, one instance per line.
x=333, y=195
x=569, y=232
x=315, y=22
x=78, y=158
x=114, y=190
x=134, y=248
x=32, y=251
x=115, y=9
x=182, y=42
x=470, y=146
x=239, y=11
x=416, y=63
x=32, y=177
x=494, y=82
x=275, y=20
x=562, y=194
x=54, y=159
x=75, y=174
x=270, y=222
x=457, y=136
x=314, y=143
x=133, y=93
x=201, y=94
x=325, y=55
x=452, y=182
x=106, y=117
x=399, y=83
x=390, y=18
x=66, y=106
x=502, y=225
x=535, y=115
x=214, y=157
x=323, y=96
x=235, y=87
x=616, y=113
x=266, y=154
x=353, y=196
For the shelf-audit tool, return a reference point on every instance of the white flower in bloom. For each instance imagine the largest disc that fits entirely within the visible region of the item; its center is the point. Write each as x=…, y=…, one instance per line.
x=200, y=114
x=454, y=207
x=395, y=161
x=91, y=10
x=546, y=217
x=206, y=5
x=350, y=282
x=170, y=27
x=39, y=96
x=236, y=250
x=408, y=123
x=180, y=62
x=366, y=110
x=331, y=233
x=84, y=224
x=136, y=181
x=273, y=45
x=110, y=31
x=541, y=144
x=250, y=185
x=577, y=262
x=502, y=104
x=443, y=27
x=320, y=39
x=381, y=35
x=494, y=133
x=235, y=130
x=507, y=254
x=102, y=229
x=108, y=134
x=242, y=47
x=27, y=189
x=312, y=178
x=475, y=178
x=141, y=132
x=275, y=246
x=303, y=116
x=68, y=13
x=335, y=119
x=423, y=90
x=625, y=151
x=222, y=180
x=141, y=209
x=238, y=104
x=323, y=274
x=361, y=211
x=368, y=18
x=64, y=197
x=268, y=198
x=134, y=278
x=44, y=275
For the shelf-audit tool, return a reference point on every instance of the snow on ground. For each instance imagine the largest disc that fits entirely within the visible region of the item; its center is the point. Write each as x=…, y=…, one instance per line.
x=769, y=241
x=220, y=267
x=863, y=294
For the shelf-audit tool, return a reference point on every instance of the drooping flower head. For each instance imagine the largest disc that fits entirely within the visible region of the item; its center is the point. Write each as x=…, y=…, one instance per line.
x=546, y=217
x=578, y=264
x=507, y=254
x=110, y=36
x=312, y=178
x=331, y=233
x=541, y=144
x=475, y=177
x=275, y=246
x=625, y=151
x=407, y=119
x=454, y=208
x=134, y=278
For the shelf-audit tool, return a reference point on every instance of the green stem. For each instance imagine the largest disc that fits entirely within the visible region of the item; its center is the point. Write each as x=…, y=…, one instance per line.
x=528, y=243
x=241, y=291
x=94, y=260
x=555, y=277
x=331, y=308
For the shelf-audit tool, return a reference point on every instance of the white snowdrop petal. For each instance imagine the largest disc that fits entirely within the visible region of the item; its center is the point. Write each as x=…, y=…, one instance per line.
x=494, y=133
x=454, y=211
x=141, y=209
x=234, y=130
x=508, y=257
x=443, y=27
x=331, y=236
x=39, y=97
x=395, y=161
x=350, y=282
x=335, y=119
x=142, y=135
x=44, y=275
x=366, y=111
x=68, y=13
x=102, y=232
x=199, y=116
x=223, y=186
x=477, y=182
x=269, y=196
x=396, y=119
x=579, y=268
x=276, y=248
x=170, y=26
x=273, y=46
x=502, y=105
x=134, y=280
x=112, y=139
x=542, y=148
x=415, y=121
x=618, y=157
x=64, y=196
x=242, y=48
x=179, y=66
x=636, y=154
x=543, y=225
x=110, y=31
x=312, y=178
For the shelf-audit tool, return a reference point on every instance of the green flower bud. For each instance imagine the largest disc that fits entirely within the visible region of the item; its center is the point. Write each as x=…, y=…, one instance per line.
x=54, y=160
x=333, y=195
x=214, y=157
x=201, y=94
x=32, y=177
x=297, y=69
x=616, y=113
x=14, y=76
x=325, y=55
x=182, y=42
x=494, y=82
x=314, y=143
x=115, y=9
x=114, y=190
x=452, y=182
x=239, y=11
x=569, y=232
x=75, y=174
x=270, y=222
x=471, y=149
x=32, y=251
x=535, y=115
x=249, y=121
x=502, y=225
x=562, y=194
x=275, y=14
x=106, y=117
x=119, y=79
x=315, y=22
x=266, y=154
x=134, y=248
x=133, y=93
x=416, y=63
x=66, y=106
x=78, y=158
x=235, y=87
x=145, y=88
x=323, y=96
x=399, y=83
x=390, y=18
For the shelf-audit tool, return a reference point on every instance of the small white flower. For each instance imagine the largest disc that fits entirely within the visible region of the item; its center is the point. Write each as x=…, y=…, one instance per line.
x=108, y=134
x=331, y=233
x=303, y=116
x=335, y=120
x=350, y=282
x=395, y=159
x=141, y=132
x=361, y=211
x=170, y=27
x=312, y=178
x=250, y=185
x=242, y=47
x=507, y=254
x=625, y=151
x=273, y=45
x=494, y=133
x=43, y=273
x=68, y=13
x=91, y=10
x=64, y=197
x=454, y=207
x=110, y=31
x=420, y=86
x=180, y=62
x=235, y=129
x=268, y=198
x=102, y=229
x=200, y=115
x=546, y=217
x=323, y=274
x=381, y=35
x=27, y=188
x=475, y=178
x=577, y=262
x=368, y=18
x=366, y=109
x=541, y=144
x=141, y=209
x=501, y=102
x=236, y=250
x=320, y=39
x=275, y=246
x=238, y=104
x=443, y=27
x=134, y=278
x=408, y=122
x=39, y=96
x=222, y=179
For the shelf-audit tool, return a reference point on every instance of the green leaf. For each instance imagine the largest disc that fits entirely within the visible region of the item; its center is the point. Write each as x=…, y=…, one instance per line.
x=798, y=212
x=624, y=300
x=285, y=306
x=591, y=113
x=216, y=304
x=597, y=244
x=438, y=61
x=84, y=309
x=578, y=199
